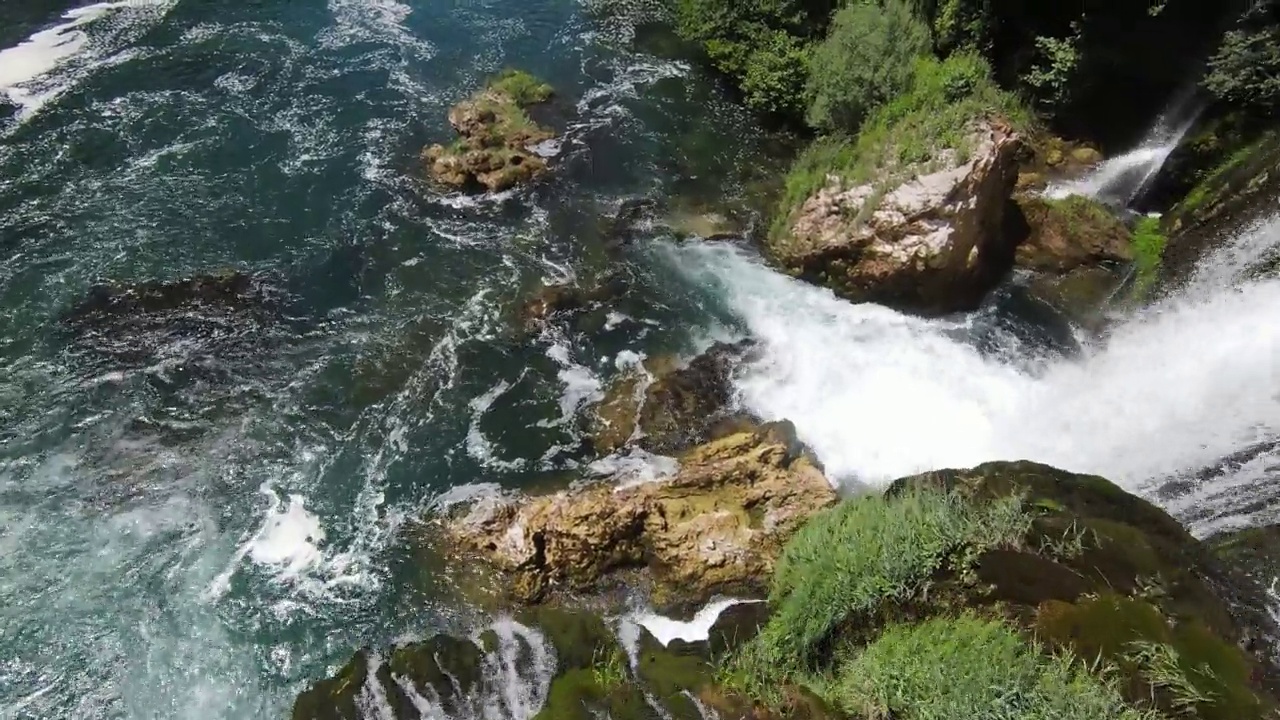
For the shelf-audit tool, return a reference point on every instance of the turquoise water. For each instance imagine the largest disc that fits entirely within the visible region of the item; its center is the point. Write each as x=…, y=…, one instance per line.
x=201, y=512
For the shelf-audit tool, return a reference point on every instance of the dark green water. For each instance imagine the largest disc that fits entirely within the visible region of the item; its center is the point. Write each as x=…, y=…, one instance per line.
x=197, y=517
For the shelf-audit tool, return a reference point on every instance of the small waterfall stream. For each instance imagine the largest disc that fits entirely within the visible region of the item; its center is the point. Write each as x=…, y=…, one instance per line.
x=1121, y=180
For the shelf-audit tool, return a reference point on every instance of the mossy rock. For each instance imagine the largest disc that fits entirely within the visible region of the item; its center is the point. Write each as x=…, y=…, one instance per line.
x=1184, y=667
x=1070, y=233
x=1254, y=552
x=581, y=639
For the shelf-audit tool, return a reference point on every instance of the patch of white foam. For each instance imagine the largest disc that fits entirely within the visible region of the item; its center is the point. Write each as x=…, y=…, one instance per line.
x=479, y=447
x=581, y=386
x=696, y=629
x=27, y=69
x=634, y=466
x=880, y=395
x=290, y=538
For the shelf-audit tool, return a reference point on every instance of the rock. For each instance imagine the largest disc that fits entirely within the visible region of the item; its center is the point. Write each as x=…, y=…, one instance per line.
x=1104, y=574
x=715, y=527
x=562, y=300
x=1085, y=155
x=497, y=147
x=1241, y=191
x=1071, y=233
x=1254, y=552
x=1054, y=157
x=1080, y=295
x=671, y=407
x=934, y=244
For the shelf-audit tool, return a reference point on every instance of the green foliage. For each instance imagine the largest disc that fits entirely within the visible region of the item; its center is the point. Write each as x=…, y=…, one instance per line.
x=773, y=74
x=1050, y=78
x=869, y=551
x=1162, y=667
x=1246, y=68
x=1148, y=250
x=928, y=126
x=968, y=667
x=962, y=24
x=609, y=669
x=763, y=45
x=523, y=89
x=866, y=60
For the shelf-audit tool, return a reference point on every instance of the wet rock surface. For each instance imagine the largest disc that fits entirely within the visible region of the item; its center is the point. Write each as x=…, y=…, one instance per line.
x=934, y=244
x=1071, y=233
x=665, y=407
x=715, y=527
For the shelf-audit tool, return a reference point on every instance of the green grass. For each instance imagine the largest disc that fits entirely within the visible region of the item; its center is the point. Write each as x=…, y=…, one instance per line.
x=928, y=127
x=865, y=552
x=969, y=667
x=523, y=88
x=1148, y=251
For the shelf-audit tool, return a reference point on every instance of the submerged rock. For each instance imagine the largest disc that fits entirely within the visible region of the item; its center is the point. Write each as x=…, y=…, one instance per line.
x=715, y=527
x=498, y=145
x=563, y=300
x=665, y=407
x=934, y=244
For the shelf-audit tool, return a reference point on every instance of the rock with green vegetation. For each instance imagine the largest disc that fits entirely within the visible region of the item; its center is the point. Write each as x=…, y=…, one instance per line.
x=716, y=526
x=1071, y=233
x=559, y=301
x=1080, y=599
x=665, y=406
x=913, y=213
x=496, y=150
x=1240, y=191
x=1149, y=243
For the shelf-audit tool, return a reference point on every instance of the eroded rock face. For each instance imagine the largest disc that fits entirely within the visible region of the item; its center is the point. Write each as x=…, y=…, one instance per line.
x=934, y=244
x=716, y=527
x=666, y=407
x=497, y=148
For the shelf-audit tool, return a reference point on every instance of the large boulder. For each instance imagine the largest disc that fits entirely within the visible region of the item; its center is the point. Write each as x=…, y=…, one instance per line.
x=934, y=244
x=1070, y=233
x=715, y=527
x=498, y=144
x=665, y=406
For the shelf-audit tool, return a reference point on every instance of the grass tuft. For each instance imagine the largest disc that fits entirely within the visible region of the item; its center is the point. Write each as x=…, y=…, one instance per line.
x=1148, y=250
x=969, y=667
x=523, y=88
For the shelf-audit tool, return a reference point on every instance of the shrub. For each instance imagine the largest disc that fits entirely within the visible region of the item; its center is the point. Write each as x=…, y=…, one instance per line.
x=1148, y=251
x=866, y=60
x=870, y=551
x=773, y=74
x=968, y=667
x=1246, y=68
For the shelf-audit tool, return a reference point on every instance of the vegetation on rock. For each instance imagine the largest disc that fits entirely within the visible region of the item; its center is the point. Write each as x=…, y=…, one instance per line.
x=494, y=150
x=1071, y=232
x=1148, y=250
x=1013, y=588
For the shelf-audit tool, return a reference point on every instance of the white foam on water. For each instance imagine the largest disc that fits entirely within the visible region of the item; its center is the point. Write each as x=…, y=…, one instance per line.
x=696, y=629
x=29, y=71
x=373, y=21
x=290, y=538
x=479, y=447
x=581, y=385
x=633, y=466
x=880, y=395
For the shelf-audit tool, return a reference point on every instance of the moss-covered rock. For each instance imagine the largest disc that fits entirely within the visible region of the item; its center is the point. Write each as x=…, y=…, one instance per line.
x=1070, y=233
x=1254, y=552
x=496, y=149
x=1239, y=191
x=1094, y=573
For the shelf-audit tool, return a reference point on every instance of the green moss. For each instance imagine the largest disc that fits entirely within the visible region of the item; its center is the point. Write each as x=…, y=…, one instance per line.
x=864, y=553
x=523, y=89
x=1207, y=190
x=1135, y=635
x=1148, y=250
x=928, y=127
x=968, y=667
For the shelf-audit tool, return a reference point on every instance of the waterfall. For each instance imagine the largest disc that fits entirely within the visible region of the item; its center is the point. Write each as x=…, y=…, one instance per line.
x=1175, y=390
x=1121, y=180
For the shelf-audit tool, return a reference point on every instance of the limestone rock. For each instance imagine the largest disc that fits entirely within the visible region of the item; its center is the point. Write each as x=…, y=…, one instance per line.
x=934, y=244
x=1071, y=233
x=716, y=526
x=497, y=148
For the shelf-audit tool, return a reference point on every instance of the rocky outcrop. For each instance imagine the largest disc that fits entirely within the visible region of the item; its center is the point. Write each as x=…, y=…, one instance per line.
x=665, y=407
x=715, y=527
x=498, y=146
x=560, y=301
x=934, y=244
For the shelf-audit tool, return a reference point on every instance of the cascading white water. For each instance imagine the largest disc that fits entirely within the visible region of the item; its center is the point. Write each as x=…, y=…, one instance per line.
x=879, y=395
x=1123, y=178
